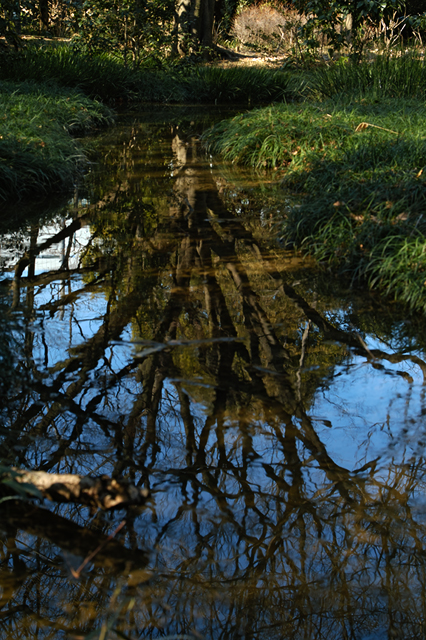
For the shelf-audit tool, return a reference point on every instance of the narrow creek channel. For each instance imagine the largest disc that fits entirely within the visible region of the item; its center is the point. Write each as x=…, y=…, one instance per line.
x=153, y=329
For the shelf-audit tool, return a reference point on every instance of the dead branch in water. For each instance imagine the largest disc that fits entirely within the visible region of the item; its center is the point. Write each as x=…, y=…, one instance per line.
x=101, y=491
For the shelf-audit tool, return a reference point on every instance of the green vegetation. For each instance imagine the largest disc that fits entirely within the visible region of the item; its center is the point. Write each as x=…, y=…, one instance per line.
x=237, y=85
x=359, y=187
x=402, y=75
x=48, y=93
x=350, y=145
x=98, y=76
x=355, y=167
x=344, y=24
x=104, y=77
x=37, y=151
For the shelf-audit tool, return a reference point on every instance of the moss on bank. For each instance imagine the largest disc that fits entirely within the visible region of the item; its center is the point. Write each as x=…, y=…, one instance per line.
x=357, y=170
x=37, y=148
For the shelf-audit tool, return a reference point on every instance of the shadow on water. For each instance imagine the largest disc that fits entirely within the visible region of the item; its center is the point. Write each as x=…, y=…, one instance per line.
x=158, y=333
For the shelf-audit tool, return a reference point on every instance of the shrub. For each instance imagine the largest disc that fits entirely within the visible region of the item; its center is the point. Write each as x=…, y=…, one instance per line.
x=268, y=28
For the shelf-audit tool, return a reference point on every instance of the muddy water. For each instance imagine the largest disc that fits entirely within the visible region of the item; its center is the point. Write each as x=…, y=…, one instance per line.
x=154, y=330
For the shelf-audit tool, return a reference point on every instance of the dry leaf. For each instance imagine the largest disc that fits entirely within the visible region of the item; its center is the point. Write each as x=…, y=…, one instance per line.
x=401, y=217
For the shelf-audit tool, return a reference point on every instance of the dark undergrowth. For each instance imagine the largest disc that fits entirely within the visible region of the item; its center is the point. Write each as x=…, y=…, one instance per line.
x=99, y=77
x=105, y=78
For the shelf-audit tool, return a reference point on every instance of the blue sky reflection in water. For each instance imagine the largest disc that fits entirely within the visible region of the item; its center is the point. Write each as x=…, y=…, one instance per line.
x=278, y=424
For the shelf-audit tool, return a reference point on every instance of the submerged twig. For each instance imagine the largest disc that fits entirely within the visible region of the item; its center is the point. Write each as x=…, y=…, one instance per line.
x=76, y=573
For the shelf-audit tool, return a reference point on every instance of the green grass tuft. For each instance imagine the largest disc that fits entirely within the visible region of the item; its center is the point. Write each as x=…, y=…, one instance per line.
x=37, y=150
x=99, y=77
x=242, y=85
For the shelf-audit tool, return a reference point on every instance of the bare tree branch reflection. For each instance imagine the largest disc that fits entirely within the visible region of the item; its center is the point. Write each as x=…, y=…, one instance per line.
x=180, y=354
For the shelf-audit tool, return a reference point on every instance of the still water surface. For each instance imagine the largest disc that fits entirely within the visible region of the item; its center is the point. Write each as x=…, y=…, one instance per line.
x=158, y=332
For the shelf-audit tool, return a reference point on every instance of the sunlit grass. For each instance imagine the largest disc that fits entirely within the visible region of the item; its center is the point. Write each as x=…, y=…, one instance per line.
x=37, y=151
x=397, y=75
x=275, y=136
x=357, y=171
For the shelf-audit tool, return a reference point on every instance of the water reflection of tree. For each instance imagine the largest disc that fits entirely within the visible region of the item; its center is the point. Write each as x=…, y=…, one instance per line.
x=178, y=354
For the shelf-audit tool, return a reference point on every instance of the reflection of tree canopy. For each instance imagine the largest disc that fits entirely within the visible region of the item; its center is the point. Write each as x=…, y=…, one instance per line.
x=179, y=354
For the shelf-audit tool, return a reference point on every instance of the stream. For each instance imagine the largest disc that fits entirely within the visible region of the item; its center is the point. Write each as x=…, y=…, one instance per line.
x=155, y=329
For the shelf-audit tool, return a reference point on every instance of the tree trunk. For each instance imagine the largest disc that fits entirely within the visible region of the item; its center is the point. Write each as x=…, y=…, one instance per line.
x=44, y=13
x=194, y=23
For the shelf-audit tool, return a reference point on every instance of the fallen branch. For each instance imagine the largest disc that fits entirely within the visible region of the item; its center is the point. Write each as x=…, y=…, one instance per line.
x=101, y=491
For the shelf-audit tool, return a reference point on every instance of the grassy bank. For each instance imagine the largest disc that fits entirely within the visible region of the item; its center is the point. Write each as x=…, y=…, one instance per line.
x=37, y=149
x=99, y=77
x=48, y=93
x=356, y=166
